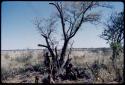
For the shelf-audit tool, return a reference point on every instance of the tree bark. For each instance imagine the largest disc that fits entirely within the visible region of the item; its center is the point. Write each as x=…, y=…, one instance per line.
x=62, y=56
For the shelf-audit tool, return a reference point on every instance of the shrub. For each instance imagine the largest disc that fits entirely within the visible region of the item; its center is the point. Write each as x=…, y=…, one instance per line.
x=24, y=57
x=6, y=56
x=4, y=73
x=36, y=67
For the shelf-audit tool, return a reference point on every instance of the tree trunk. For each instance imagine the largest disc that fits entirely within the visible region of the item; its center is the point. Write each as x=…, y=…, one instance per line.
x=62, y=57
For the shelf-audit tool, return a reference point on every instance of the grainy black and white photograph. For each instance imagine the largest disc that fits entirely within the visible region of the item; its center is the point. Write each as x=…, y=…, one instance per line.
x=62, y=42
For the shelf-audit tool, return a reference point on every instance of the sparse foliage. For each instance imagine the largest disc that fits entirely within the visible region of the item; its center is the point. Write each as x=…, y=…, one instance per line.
x=114, y=34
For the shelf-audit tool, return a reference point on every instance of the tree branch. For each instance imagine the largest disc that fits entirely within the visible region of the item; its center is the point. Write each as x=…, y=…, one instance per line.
x=42, y=45
x=82, y=19
x=61, y=17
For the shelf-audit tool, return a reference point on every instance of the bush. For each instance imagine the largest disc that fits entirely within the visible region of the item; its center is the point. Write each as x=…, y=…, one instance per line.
x=36, y=67
x=23, y=58
x=4, y=73
x=6, y=56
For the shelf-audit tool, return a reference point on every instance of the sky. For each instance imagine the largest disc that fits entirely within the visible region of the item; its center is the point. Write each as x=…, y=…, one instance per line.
x=18, y=30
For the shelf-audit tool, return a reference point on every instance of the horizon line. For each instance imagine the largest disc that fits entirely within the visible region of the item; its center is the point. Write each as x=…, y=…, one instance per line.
x=59, y=49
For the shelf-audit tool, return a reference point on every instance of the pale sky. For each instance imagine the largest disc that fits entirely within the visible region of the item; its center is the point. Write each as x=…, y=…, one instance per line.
x=19, y=32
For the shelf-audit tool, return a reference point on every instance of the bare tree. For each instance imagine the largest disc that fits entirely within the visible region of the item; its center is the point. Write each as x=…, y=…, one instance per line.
x=71, y=15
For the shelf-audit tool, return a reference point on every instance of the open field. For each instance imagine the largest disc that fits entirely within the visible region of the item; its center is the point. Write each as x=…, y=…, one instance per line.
x=21, y=66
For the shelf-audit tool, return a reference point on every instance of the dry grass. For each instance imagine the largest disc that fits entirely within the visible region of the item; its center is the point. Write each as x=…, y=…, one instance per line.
x=14, y=69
